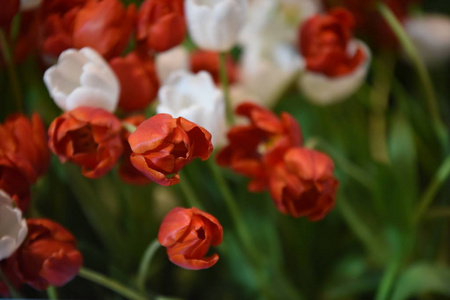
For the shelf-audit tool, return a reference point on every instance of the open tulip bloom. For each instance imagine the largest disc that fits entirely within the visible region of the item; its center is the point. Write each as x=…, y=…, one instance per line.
x=224, y=149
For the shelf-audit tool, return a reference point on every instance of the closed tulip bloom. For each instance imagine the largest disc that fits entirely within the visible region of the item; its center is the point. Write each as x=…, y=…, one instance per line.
x=336, y=64
x=48, y=256
x=105, y=26
x=163, y=145
x=138, y=80
x=255, y=148
x=170, y=61
x=187, y=235
x=8, y=11
x=195, y=98
x=82, y=78
x=303, y=185
x=13, y=228
x=161, y=24
x=88, y=137
x=215, y=25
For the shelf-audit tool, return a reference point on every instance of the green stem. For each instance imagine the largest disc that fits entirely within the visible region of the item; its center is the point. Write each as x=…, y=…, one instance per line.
x=387, y=280
x=421, y=69
x=236, y=215
x=52, y=293
x=144, y=266
x=7, y=54
x=129, y=127
x=191, y=197
x=14, y=293
x=360, y=229
x=225, y=87
x=110, y=284
x=433, y=187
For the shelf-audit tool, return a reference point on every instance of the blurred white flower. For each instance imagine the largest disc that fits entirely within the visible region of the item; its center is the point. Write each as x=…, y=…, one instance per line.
x=266, y=72
x=82, y=78
x=29, y=4
x=195, y=98
x=323, y=90
x=13, y=228
x=431, y=36
x=215, y=24
x=172, y=60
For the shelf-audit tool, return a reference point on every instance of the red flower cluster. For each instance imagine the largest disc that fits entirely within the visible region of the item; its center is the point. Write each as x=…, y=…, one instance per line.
x=24, y=156
x=89, y=137
x=269, y=151
x=47, y=257
x=324, y=41
x=163, y=145
x=187, y=235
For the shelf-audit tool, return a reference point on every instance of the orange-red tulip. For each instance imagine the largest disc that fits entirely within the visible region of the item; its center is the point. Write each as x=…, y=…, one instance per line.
x=303, y=184
x=209, y=61
x=324, y=41
x=253, y=149
x=138, y=80
x=48, y=256
x=88, y=137
x=104, y=26
x=161, y=24
x=163, y=145
x=187, y=235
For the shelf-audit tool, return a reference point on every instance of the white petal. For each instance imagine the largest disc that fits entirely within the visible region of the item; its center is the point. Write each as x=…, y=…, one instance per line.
x=29, y=4
x=324, y=90
x=84, y=96
x=170, y=61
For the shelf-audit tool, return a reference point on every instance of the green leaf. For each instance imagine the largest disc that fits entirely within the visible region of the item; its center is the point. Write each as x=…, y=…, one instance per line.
x=422, y=278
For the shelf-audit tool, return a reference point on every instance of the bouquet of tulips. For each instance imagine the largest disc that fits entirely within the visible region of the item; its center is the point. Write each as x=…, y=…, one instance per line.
x=225, y=149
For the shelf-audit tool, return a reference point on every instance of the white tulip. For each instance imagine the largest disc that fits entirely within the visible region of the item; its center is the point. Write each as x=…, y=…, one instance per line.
x=215, y=24
x=195, y=98
x=13, y=228
x=323, y=90
x=170, y=61
x=431, y=37
x=29, y=4
x=82, y=78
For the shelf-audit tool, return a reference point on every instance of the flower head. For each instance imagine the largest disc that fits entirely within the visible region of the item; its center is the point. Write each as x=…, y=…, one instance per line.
x=82, y=78
x=195, y=98
x=161, y=25
x=88, y=137
x=104, y=26
x=303, y=184
x=187, y=235
x=48, y=256
x=255, y=148
x=215, y=25
x=209, y=61
x=163, y=145
x=13, y=228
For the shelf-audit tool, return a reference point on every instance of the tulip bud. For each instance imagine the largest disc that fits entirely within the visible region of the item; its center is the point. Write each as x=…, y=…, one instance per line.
x=187, y=235
x=215, y=25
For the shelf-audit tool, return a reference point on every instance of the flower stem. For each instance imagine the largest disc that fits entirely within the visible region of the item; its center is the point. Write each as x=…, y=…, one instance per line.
x=424, y=76
x=129, y=127
x=144, y=266
x=110, y=284
x=236, y=215
x=7, y=54
x=14, y=293
x=191, y=197
x=52, y=293
x=439, y=178
x=225, y=87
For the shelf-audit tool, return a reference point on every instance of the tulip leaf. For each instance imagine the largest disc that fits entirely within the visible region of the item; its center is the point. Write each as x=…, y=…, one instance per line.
x=422, y=278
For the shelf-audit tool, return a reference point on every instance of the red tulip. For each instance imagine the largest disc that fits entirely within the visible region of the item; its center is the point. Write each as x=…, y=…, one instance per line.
x=88, y=137
x=161, y=24
x=48, y=256
x=8, y=11
x=324, y=43
x=303, y=184
x=104, y=26
x=253, y=149
x=187, y=235
x=138, y=80
x=209, y=61
x=163, y=145
x=127, y=172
